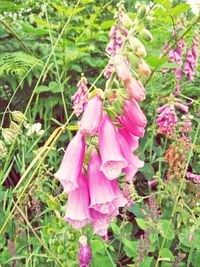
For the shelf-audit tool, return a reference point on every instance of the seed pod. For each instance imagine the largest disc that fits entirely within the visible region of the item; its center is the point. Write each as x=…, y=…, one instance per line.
x=3, y=149
x=137, y=47
x=142, y=12
x=134, y=59
x=145, y=35
x=18, y=116
x=126, y=21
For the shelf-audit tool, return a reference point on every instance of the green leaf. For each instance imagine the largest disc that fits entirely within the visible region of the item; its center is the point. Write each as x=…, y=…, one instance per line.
x=142, y=223
x=115, y=228
x=166, y=253
x=147, y=262
x=166, y=229
x=130, y=247
x=177, y=10
x=165, y=3
x=156, y=62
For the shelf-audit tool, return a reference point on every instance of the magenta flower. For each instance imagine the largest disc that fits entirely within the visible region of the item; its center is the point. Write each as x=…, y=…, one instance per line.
x=131, y=139
x=78, y=202
x=167, y=119
x=120, y=201
x=80, y=98
x=100, y=222
x=134, y=163
x=91, y=117
x=85, y=253
x=133, y=118
x=130, y=126
x=135, y=89
x=194, y=177
x=98, y=183
x=122, y=68
x=112, y=160
x=71, y=164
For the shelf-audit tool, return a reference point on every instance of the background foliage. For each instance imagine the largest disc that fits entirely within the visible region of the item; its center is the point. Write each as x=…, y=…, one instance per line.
x=39, y=69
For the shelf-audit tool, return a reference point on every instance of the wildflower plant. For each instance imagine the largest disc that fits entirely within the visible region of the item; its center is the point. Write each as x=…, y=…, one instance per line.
x=117, y=181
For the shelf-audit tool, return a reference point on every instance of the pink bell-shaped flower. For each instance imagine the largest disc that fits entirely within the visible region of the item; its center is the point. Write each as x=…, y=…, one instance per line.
x=72, y=163
x=135, y=89
x=112, y=160
x=100, y=222
x=98, y=183
x=77, y=213
x=131, y=139
x=134, y=162
x=91, y=117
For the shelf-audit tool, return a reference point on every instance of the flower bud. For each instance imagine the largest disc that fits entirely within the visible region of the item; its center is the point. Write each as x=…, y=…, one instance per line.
x=145, y=35
x=3, y=149
x=134, y=59
x=142, y=12
x=137, y=46
x=18, y=116
x=143, y=68
x=8, y=135
x=126, y=21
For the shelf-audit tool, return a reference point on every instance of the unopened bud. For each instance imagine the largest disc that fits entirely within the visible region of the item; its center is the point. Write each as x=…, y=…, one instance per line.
x=18, y=116
x=143, y=68
x=126, y=21
x=8, y=135
x=15, y=127
x=3, y=149
x=137, y=47
x=145, y=35
x=142, y=12
x=134, y=59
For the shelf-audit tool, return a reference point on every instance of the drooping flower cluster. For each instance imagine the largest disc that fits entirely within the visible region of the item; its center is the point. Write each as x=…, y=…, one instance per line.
x=167, y=119
x=80, y=98
x=102, y=149
x=191, y=59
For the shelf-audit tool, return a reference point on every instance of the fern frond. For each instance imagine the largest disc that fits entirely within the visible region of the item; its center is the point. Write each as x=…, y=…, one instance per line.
x=17, y=63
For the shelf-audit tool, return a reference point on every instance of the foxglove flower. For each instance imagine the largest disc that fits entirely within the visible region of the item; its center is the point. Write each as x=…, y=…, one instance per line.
x=91, y=117
x=100, y=222
x=71, y=164
x=120, y=201
x=80, y=98
x=98, y=183
x=167, y=119
x=112, y=160
x=122, y=68
x=131, y=139
x=134, y=162
x=77, y=213
x=133, y=118
x=85, y=253
x=135, y=89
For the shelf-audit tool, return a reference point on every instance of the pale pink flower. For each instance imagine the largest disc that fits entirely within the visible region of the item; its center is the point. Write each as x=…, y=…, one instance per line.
x=77, y=206
x=133, y=118
x=122, y=69
x=135, y=89
x=71, y=164
x=91, y=117
x=112, y=159
x=134, y=163
x=131, y=139
x=100, y=222
x=98, y=183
